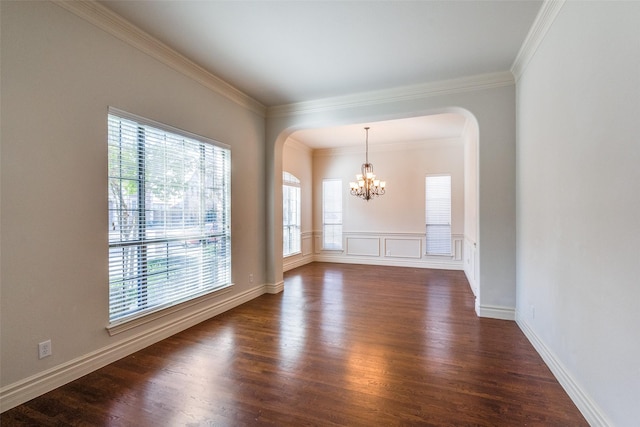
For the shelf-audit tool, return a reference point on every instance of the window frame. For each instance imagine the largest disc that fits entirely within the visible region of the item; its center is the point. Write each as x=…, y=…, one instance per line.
x=291, y=185
x=211, y=238
x=338, y=223
x=440, y=211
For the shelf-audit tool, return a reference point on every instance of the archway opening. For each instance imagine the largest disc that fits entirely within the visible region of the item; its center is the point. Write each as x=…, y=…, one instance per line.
x=389, y=230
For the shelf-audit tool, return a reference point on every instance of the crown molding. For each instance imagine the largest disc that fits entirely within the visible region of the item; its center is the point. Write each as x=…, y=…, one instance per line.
x=406, y=93
x=103, y=18
x=541, y=25
x=389, y=147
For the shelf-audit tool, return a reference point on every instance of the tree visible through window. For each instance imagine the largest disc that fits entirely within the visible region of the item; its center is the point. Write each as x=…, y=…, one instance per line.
x=169, y=216
x=332, y=214
x=438, y=214
x=290, y=214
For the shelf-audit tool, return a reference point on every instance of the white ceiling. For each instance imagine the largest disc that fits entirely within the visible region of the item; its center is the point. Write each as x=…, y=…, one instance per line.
x=434, y=127
x=282, y=52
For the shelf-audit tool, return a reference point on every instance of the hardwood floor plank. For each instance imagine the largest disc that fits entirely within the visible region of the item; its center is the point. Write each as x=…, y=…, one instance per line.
x=342, y=345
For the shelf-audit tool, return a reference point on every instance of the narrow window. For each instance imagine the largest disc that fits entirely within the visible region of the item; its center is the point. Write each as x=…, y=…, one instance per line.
x=169, y=216
x=332, y=214
x=438, y=214
x=290, y=214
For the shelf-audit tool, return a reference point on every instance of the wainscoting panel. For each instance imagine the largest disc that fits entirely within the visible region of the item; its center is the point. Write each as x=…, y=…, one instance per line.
x=457, y=241
x=363, y=246
x=307, y=243
x=393, y=249
x=403, y=247
x=470, y=264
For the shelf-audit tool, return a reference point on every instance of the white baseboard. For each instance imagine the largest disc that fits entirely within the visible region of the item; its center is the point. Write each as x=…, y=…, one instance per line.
x=274, y=288
x=24, y=390
x=495, y=312
x=589, y=409
x=390, y=262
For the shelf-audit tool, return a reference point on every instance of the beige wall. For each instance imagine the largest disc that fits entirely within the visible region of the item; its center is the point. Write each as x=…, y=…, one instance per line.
x=404, y=167
x=578, y=206
x=59, y=74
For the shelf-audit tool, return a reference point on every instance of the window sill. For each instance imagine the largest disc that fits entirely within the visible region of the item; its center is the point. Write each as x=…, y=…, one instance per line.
x=128, y=324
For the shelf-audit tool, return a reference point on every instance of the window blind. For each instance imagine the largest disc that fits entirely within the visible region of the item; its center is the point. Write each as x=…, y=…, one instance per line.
x=290, y=214
x=169, y=216
x=332, y=214
x=438, y=214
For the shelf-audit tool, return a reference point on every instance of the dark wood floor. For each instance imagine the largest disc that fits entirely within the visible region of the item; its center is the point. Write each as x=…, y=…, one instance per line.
x=342, y=345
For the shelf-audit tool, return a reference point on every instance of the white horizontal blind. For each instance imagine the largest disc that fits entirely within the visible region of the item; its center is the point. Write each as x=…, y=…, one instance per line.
x=332, y=214
x=169, y=216
x=438, y=214
x=290, y=214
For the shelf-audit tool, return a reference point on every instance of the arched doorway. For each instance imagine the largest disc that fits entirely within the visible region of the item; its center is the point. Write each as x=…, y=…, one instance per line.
x=407, y=149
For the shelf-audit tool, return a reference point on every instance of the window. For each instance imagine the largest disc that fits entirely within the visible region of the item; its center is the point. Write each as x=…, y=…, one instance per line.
x=169, y=216
x=332, y=214
x=438, y=214
x=290, y=214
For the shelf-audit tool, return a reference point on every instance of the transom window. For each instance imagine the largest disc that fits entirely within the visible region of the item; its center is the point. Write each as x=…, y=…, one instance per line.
x=169, y=216
x=290, y=214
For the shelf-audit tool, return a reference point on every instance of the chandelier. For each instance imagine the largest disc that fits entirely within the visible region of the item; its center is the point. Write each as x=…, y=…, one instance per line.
x=367, y=186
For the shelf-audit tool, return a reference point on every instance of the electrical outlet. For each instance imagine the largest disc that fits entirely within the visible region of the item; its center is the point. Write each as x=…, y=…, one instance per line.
x=533, y=312
x=251, y=278
x=44, y=349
